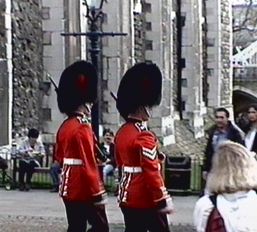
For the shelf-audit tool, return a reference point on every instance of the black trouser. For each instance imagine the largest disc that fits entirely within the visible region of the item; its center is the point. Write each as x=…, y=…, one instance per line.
x=143, y=220
x=78, y=214
x=26, y=167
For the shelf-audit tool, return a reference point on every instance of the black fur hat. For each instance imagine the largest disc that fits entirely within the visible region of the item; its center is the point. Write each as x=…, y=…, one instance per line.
x=78, y=85
x=140, y=86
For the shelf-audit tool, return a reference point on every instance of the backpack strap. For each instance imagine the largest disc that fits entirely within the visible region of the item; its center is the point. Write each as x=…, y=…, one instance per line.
x=213, y=199
x=215, y=221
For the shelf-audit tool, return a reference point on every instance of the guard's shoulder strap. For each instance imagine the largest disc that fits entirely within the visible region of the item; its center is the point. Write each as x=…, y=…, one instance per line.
x=140, y=127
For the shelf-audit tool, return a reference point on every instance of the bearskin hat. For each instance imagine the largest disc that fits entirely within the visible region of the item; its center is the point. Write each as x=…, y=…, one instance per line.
x=140, y=86
x=77, y=85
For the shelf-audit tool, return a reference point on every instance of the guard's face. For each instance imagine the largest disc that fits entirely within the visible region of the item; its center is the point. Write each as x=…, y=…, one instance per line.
x=87, y=108
x=145, y=114
x=252, y=114
x=221, y=119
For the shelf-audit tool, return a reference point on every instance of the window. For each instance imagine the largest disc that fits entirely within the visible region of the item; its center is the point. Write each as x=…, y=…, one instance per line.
x=46, y=114
x=149, y=45
x=148, y=26
x=45, y=12
x=147, y=8
x=182, y=63
x=210, y=71
x=184, y=82
x=183, y=19
x=211, y=42
x=183, y=105
x=47, y=38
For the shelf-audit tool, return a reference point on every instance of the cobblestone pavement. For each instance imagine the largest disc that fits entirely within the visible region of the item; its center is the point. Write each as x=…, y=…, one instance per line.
x=45, y=224
x=41, y=211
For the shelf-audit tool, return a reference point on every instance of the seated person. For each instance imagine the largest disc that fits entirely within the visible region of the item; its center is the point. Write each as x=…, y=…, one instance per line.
x=3, y=163
x=55, y=171
x=107, y=148
x=30, y=151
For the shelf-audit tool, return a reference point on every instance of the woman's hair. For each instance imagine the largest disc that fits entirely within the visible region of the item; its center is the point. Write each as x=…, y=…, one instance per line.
x=234, y=169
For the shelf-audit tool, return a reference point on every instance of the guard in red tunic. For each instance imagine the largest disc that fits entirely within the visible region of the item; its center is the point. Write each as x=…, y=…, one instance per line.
x=81, y=187
x=143, y=198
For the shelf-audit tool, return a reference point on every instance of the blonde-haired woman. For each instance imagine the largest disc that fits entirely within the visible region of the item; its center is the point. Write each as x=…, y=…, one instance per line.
x=233, y=178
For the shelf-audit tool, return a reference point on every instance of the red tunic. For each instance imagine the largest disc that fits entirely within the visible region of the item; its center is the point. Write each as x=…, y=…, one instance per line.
x=75, y=140
x=137, y=147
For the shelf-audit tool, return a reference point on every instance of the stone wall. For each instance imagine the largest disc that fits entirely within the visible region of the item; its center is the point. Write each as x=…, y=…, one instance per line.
x=139, y=28
x=3, y=78
x=2, y=31
x=226, y=45
x=205, y=54
x=175, y=57
x=27, y=64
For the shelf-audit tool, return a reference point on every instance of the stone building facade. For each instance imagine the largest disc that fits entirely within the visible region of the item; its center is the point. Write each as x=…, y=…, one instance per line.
x=219, y=43
x=192, y=73
x=174, y=34
x=190, y=42
x=153, y=43
x=59, y=51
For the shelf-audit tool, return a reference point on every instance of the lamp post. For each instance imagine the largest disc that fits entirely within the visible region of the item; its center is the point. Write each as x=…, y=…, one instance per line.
x=94, y=14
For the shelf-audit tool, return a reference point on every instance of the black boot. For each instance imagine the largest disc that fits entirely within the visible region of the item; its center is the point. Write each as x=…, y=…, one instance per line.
x=21, y=186
x=27, y=187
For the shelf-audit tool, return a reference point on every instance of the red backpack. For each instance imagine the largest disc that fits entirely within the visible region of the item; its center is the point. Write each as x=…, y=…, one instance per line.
x=215, y=221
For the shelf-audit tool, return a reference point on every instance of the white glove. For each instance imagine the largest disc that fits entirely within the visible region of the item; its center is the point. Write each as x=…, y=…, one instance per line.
x=103, y=201
x=169, y=208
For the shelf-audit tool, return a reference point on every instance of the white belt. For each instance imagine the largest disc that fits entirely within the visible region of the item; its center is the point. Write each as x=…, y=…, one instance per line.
x=71, y=161
x=132, y=169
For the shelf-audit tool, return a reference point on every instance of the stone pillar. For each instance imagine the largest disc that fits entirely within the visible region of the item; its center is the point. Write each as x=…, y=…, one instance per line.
x=54, y=62
x=118, y=55
x=159, y=49
x=192, y=73
x=219, y=41
x=213, y=10
x=5, y=73
x=226, y=54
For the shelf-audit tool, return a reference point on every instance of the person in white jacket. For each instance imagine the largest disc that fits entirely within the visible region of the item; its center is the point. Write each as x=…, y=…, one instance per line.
x=233, y=178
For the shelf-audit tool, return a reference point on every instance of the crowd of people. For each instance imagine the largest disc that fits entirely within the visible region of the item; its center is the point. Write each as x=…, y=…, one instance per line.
x=228, y=201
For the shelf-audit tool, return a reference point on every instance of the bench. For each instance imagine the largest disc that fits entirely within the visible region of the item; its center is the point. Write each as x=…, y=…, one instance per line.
x=42, y=170
x=41, y=178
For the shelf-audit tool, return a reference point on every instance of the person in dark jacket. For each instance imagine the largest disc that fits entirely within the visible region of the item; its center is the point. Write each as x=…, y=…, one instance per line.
x=222, y=131
x=251, y=129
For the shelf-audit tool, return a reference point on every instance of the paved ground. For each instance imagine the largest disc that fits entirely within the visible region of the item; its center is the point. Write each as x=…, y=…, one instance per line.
x=41, y=211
